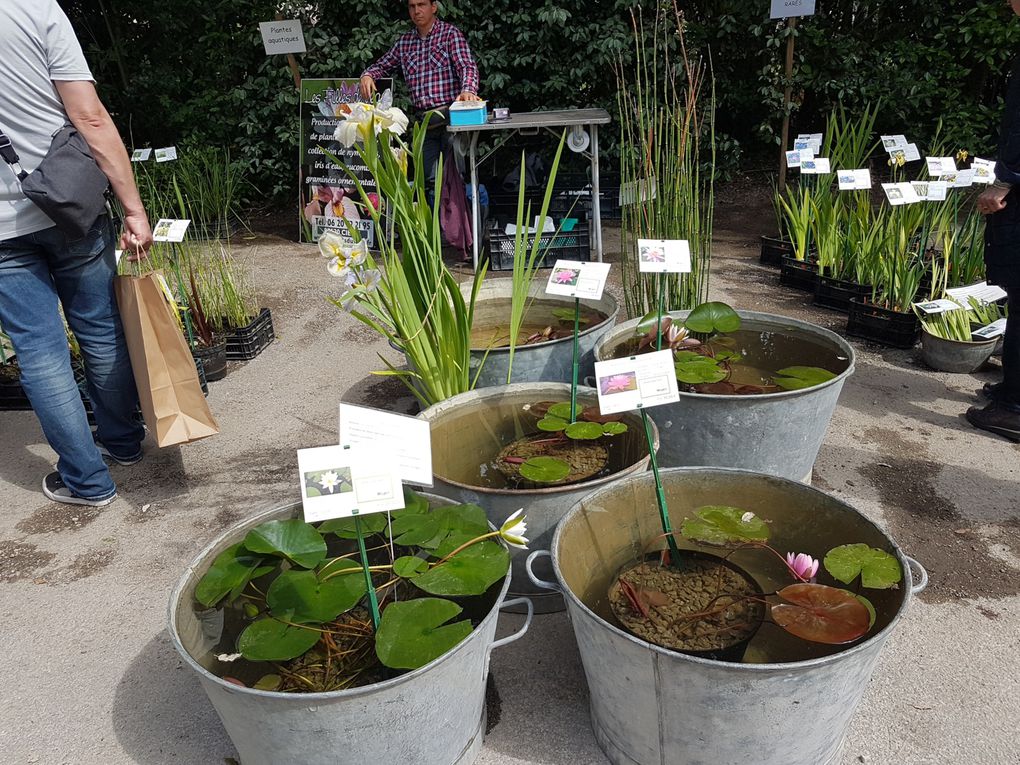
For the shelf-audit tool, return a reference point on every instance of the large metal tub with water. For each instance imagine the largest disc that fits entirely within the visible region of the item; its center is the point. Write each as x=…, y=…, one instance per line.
x=434, y=714
x=653, y=706
x=775, y=433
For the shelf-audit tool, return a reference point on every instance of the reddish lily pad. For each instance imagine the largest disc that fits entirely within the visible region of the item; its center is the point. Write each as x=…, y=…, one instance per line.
x=821, y=614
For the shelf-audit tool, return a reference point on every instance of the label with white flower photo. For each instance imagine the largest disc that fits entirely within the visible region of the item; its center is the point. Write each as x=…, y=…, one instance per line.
x=636, y=382
x=660, y=256
x=900, y=193
x=141, y=155
x=170, y=230
x=578, y=279
x=893, y=142
x=167, y=154
x=338, y=482
x=854, y=180
x=408, y=440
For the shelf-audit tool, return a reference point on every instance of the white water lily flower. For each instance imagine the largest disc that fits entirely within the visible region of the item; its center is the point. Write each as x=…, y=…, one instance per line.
x=329, y=481
x=513, y=530
x=228, y=657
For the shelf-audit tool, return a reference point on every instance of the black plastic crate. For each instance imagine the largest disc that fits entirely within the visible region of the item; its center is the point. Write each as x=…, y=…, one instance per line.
x=13, y=398
x=836, y=293
x=798, y=274
x=247, y=342
x=773, y=250
x=559, y=245
x=882, y=325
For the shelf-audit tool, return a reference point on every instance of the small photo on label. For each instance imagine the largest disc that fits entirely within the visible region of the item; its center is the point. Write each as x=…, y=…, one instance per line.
x=618, y=383
x=141, y=155
x=566, y=277
x=325, y=483
x=166, y=154
x=664, y=255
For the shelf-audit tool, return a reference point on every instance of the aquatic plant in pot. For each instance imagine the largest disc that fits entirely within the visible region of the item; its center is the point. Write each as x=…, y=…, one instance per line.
x=652, y=704
x=277, y=620
x=756, y=390
x=948, y=343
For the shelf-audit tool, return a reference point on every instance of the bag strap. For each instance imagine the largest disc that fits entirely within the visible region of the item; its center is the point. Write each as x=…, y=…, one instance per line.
x=10, y=156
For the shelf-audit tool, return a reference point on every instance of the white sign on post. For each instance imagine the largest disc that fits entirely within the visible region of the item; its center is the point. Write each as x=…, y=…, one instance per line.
x=167, y=154
x=938, y=306
x=782, y=9
x=939, y=166
x=661, y=256
x=893, y=142
x=636, y=382
x=816, y=166
x=282, y=37
x=984, y=170
x=141, y=155
x=407, y=440
x=995, y=329
x=900, y=193
x=577, y=279
x=854, y=180
x=170, y=230
x=340, y=483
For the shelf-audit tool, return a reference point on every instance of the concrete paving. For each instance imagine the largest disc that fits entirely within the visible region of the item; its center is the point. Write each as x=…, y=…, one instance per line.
x=89, y=675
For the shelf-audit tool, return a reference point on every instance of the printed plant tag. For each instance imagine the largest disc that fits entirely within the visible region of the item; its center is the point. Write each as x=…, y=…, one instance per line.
x=407, y=440
x=782, y=9
x=893, y=142
x=854, y=180
x=937, y=191
x=816, y=166
x=939, y=166
x=169, y=154
x=963, y=179
x=574, y=278
x=900, y=193
x=983, y=292
x=282, y=37
x=170, y=230
x=658, y=256
x=141, y=155
x=339, y=483
x=793, y=158
x=911, y=153
x=938, y=306
x=920, y=188
x=636, y=382
x=987, y=332
x=984, y=170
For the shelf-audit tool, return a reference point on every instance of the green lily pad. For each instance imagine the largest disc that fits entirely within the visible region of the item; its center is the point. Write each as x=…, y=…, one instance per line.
x=584, y=431
x=544, y=469
x=346, y=528
x=232, y=570
x=311, y=599
x=408, y=566
x=697, y=372
x=614, y=428
x=268, y=683
x=428, y=530
x=293, y=538
x=470, y=572
x=567, y=314
x=414, y=503
x=724, y=525
x=878, y=569
x=271, y=640
x=795, y=378
x=725, y=354
x=683, y=355
x=712, y=317
x=561, y=410
x=552, y=424
x=412, y=633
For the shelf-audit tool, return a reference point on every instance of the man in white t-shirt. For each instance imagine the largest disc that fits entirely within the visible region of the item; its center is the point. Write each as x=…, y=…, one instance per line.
x=45, y=83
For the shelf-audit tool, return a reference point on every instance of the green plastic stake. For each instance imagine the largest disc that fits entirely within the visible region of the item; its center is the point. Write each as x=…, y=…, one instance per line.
x=658, y=312
x=373, y=602
x=573, y=385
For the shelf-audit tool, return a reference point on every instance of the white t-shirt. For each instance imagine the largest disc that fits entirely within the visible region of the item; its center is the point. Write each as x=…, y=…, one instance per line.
x=37, y=46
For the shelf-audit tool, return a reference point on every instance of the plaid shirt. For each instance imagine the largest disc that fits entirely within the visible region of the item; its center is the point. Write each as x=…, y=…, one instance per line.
x=437, y=68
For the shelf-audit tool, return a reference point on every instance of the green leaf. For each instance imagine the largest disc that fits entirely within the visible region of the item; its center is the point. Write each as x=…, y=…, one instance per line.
x=567, y=314
x=700, y=371
x=614, y=428
x=878, y=569
x=545, y=469
x=470, y=572
x=795, y=378
x=820, y=613
x=725, y=354
x=271, y=640
x=232, y=570
x=414, y=503
x=346, y=528
x=552, y=424
x=309, y=598
x=408, y=566
x=724, y=525
x=561, y=410
x=712, y=317
x=292, y=538
x=647, y=322
x=429, y=530
x=268, y=683
x=584, y=431
x=412, y=633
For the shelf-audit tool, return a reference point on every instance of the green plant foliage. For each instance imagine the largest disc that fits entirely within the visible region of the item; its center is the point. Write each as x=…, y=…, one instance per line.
x=567, y=315
x=551, y=424
x=415, y=632
x=878, y=569
x=698, y=371
x=271, y=639
x=470, y=572
x=584, y=431
x=545, y=469
x=724, y=525
x=346, y=528
x=430, y=530
x=309, y=598
x=408, y=566
x=229, y=573
x=795, y=378
x=614, y=428
x=293, y=538
x=712, y=317
x=561, y=410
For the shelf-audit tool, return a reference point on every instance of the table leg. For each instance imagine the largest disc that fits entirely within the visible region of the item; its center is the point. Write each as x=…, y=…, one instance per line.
x=475, y=207
x=596, y=210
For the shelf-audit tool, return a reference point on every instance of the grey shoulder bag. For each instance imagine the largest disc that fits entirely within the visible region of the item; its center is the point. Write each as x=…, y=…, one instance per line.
x=68, y=185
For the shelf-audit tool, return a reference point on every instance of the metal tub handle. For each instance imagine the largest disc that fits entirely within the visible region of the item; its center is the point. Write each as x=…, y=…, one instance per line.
x=526, y=602
x=916, y=569
x=534, y=578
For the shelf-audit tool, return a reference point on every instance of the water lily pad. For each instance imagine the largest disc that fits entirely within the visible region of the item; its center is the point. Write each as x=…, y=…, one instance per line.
x=292, y=538
x=408, y=566
x=413, y=633
x=796, y=378
x=544, y=469
x=552, y=424
x=821, y=614
x=346, y=528
x=614, y=428
x=712, y=317
x=702, y=370
x=428, y=530
x=270, y=639
x=230, y=572
x=878, y=569
x=268, y=683
x=584, y=431
x=567, y=314
x=724, y=525
x=682, y=355
x=470, y=572
x=561, y=410
x=309, y=598
x=725, y=354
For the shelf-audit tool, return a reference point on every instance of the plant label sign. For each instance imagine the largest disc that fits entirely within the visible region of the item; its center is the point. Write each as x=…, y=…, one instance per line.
x=170, y=230
x=141, y=155
x=337, y=482
x=893, y=142
x=636, y=382
x=280, y=37
x=962, y=179
x=782, y=9
x=900, y=193
x=937, y=191
x=808, y=144
x=168, y=154
x=938, y=306
x=664, y=256
x=854, y=180
x=793, y=158
x=983, y=292
x=984, y=170
x=407, y=440
x=816, y=166
x=995, y=329
x=577, y=279
x=939, y=166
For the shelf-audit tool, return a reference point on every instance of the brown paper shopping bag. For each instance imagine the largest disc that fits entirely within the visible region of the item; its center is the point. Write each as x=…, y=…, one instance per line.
x=169, y=392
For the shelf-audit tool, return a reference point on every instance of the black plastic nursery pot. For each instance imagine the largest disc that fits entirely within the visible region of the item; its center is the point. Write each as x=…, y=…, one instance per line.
x=798, y=274
x=836, y=294
x=896, y=329
x=247, y=342
x=214, y=360
x=774, y=249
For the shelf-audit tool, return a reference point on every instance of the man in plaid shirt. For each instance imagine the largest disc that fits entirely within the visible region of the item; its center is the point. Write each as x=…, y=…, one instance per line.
x=436, y=63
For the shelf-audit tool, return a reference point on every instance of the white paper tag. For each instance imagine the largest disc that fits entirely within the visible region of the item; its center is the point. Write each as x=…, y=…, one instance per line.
x=937, y=191
x=170, y=230
x=339, y=483
x=995, y=329
x=911, y=153
x=574, y=278
x=793, y=158
x=938, y=306
x=964, y=179
x=782, y=9
x=900, y=193
x=939, y=166
x=658, y=256
x=854, y=180
x=816, y=166
x=636, y=382
x=167, y=154
x=984, y=170
x=407, y=440
x=282, y=37
x=141, y=155
x=893, y=142
x=983, y=292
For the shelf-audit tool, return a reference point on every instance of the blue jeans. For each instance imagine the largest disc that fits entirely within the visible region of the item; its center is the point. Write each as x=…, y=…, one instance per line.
x=36, y=272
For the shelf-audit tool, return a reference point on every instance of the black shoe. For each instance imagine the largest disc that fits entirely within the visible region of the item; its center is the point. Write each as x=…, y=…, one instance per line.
x=991, y=390
x=997, y=419
x=54, y=488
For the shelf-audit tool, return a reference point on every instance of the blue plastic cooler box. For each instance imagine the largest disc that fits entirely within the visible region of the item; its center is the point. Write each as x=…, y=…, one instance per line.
x=469, y=112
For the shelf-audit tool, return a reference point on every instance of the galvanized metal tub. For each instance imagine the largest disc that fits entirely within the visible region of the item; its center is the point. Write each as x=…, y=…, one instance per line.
x=775, y=433
x=551, y=361
x=463, y=426
x=653, y=706
x=434, y=714
x=954, y=355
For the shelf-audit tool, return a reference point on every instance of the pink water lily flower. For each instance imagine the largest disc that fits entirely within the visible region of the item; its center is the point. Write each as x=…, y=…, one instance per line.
x=803, y=566
x=566, y=276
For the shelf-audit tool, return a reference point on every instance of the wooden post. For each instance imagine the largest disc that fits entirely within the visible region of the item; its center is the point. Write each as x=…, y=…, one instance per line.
x=293, y=62
x=791, y=25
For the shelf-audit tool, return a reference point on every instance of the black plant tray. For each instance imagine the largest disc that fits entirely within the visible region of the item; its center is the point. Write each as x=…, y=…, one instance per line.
x=247, y=342
x=882, y=325
x=773, y=250
x=836, y=293
x=13, y=398
x=798, y=274
x=553, y=246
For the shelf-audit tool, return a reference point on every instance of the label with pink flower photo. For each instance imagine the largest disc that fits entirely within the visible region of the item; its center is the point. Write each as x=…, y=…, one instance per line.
x=577, y=279
x=339, y=482
x=636, y=382
x=664, y=256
